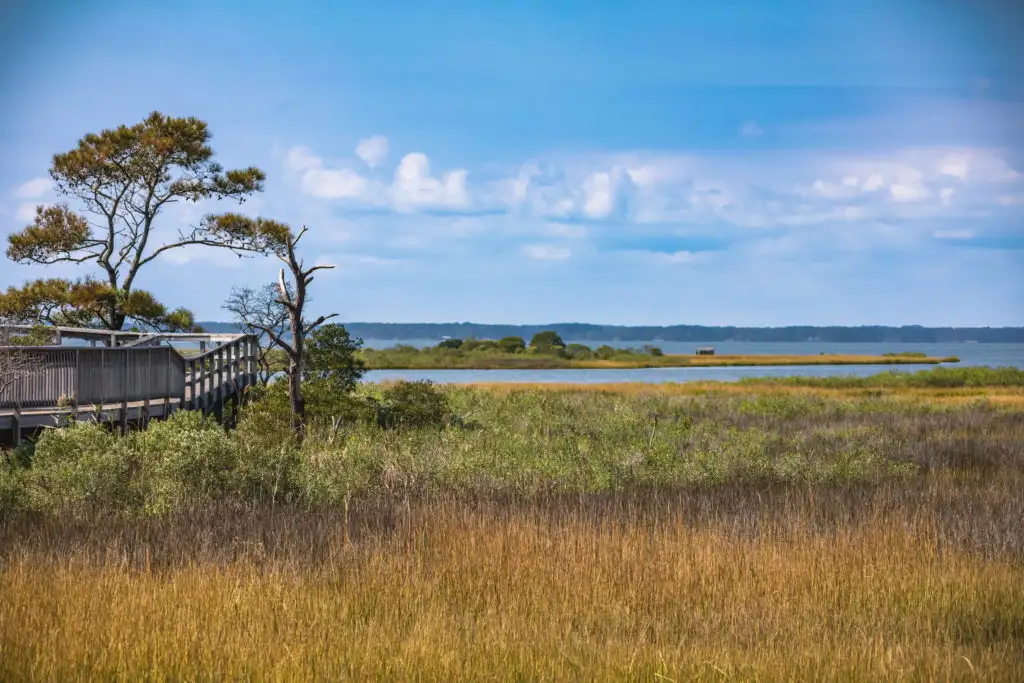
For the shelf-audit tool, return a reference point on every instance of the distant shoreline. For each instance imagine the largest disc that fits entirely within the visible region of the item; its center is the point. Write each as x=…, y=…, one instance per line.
x=585, y=332
x=544, y=362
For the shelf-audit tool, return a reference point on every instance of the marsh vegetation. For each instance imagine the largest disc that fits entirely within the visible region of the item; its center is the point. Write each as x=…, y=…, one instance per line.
x=696, y=532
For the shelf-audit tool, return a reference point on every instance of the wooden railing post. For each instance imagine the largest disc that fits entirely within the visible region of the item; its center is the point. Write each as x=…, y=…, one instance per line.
x=220, y=383
x=77, y=386
x=124, y=393
x=193, y=401
x=144, y=418
x=184, y=376
x=169, y=378
x=16, y=418
x=254, y=349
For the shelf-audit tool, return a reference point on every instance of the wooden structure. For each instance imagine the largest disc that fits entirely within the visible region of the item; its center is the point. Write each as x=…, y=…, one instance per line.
x=132, y=378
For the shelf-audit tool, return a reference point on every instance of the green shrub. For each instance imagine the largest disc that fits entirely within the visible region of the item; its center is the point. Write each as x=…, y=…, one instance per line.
x=413, y=404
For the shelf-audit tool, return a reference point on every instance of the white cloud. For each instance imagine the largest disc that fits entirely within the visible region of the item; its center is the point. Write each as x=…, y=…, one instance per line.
x=547, y=252
x=339, y=183
x=955, y=165
x=33, y=189
x=874, y=182
x=751, y=129
x=26, y=212
x=599, y=195
x=678, y=257
x=946, y=195
x=953, y=234
x=373, y=150
x=299, y=158
x=415, y=187
x=908, y=192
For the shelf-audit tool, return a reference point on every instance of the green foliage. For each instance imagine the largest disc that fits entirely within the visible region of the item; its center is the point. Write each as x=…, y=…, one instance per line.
x=579, y=352
x=478, y=345
x=331, y=356
x=547, y=342
x=942, y=377
x=410, y=405
x=653, y=350
x=450, y=344
x=404, y=439
x=512, y=344
x=123, y=178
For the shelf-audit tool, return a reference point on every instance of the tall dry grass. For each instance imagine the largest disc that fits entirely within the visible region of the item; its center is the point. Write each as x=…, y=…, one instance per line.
x=914, y=582
x=917, y=574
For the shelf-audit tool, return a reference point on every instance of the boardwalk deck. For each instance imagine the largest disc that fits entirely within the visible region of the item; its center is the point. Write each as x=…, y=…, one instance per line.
x=132, y=383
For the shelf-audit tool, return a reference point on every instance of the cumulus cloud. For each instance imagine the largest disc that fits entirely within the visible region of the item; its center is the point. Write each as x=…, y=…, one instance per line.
x=547, y=252
x=751, y=130
x=588, y=198
x=26, y=212
x=958, y=234
x=373, y=150
x=415, y=187
x=33, y=189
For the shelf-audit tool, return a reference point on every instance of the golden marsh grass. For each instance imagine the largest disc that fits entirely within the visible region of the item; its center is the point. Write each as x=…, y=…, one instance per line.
x=506, y=552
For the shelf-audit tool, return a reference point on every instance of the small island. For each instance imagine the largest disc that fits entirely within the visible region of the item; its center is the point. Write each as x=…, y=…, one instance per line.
x=547, y=351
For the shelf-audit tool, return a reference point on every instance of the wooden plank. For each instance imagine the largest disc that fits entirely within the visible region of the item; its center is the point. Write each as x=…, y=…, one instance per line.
x=170, y=381
x=144, y=420
x=78, y=383
x=220, y=383
x=194, y=399
x=124, y=394
x=168, y=375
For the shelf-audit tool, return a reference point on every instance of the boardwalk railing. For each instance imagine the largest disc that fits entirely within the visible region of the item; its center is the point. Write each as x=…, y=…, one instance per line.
x=59, y=375
x=220, y=373
x=140, y=378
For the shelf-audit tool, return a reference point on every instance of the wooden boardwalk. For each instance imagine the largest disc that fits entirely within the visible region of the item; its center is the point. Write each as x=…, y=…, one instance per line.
x=133, y=379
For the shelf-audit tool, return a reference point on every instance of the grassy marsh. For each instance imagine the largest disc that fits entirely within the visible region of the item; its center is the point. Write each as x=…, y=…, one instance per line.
x=776, y=531
x=408, y=358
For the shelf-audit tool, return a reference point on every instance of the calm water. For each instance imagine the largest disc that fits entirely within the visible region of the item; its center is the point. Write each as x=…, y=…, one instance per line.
x=992, y=355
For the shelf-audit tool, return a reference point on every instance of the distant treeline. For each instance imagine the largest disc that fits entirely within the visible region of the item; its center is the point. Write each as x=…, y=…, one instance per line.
x=910, y=334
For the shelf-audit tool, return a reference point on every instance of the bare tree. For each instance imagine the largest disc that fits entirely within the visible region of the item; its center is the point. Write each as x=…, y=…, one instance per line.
x=289, y=334
x=258, y=310
x=15, y=365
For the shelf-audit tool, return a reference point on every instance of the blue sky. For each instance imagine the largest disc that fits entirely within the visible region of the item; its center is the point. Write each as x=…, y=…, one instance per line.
x=744, y=163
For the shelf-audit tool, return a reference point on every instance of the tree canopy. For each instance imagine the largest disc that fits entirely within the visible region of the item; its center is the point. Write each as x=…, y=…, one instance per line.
x=120, y=180
x=547, y=341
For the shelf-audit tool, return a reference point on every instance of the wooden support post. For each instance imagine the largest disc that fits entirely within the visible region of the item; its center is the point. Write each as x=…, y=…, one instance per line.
x=194, y=398
x=181, y=397
x=76, y=387
x=144, y=418
x=103, y=381
x=124, y=393
x=253, y=346
x=16, y=418
x=169, y=378
x=220, y=384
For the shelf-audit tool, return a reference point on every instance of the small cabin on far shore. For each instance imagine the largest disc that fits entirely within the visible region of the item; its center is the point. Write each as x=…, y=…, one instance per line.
x=706, y=351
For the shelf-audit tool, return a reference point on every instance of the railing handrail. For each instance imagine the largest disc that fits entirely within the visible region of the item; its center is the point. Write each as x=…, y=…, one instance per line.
x=147, y=373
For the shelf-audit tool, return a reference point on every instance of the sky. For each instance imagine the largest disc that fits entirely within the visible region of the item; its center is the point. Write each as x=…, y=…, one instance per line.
x=719, y=163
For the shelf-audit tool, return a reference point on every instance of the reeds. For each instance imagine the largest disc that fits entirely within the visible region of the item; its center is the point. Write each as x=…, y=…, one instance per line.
x=571, y=535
